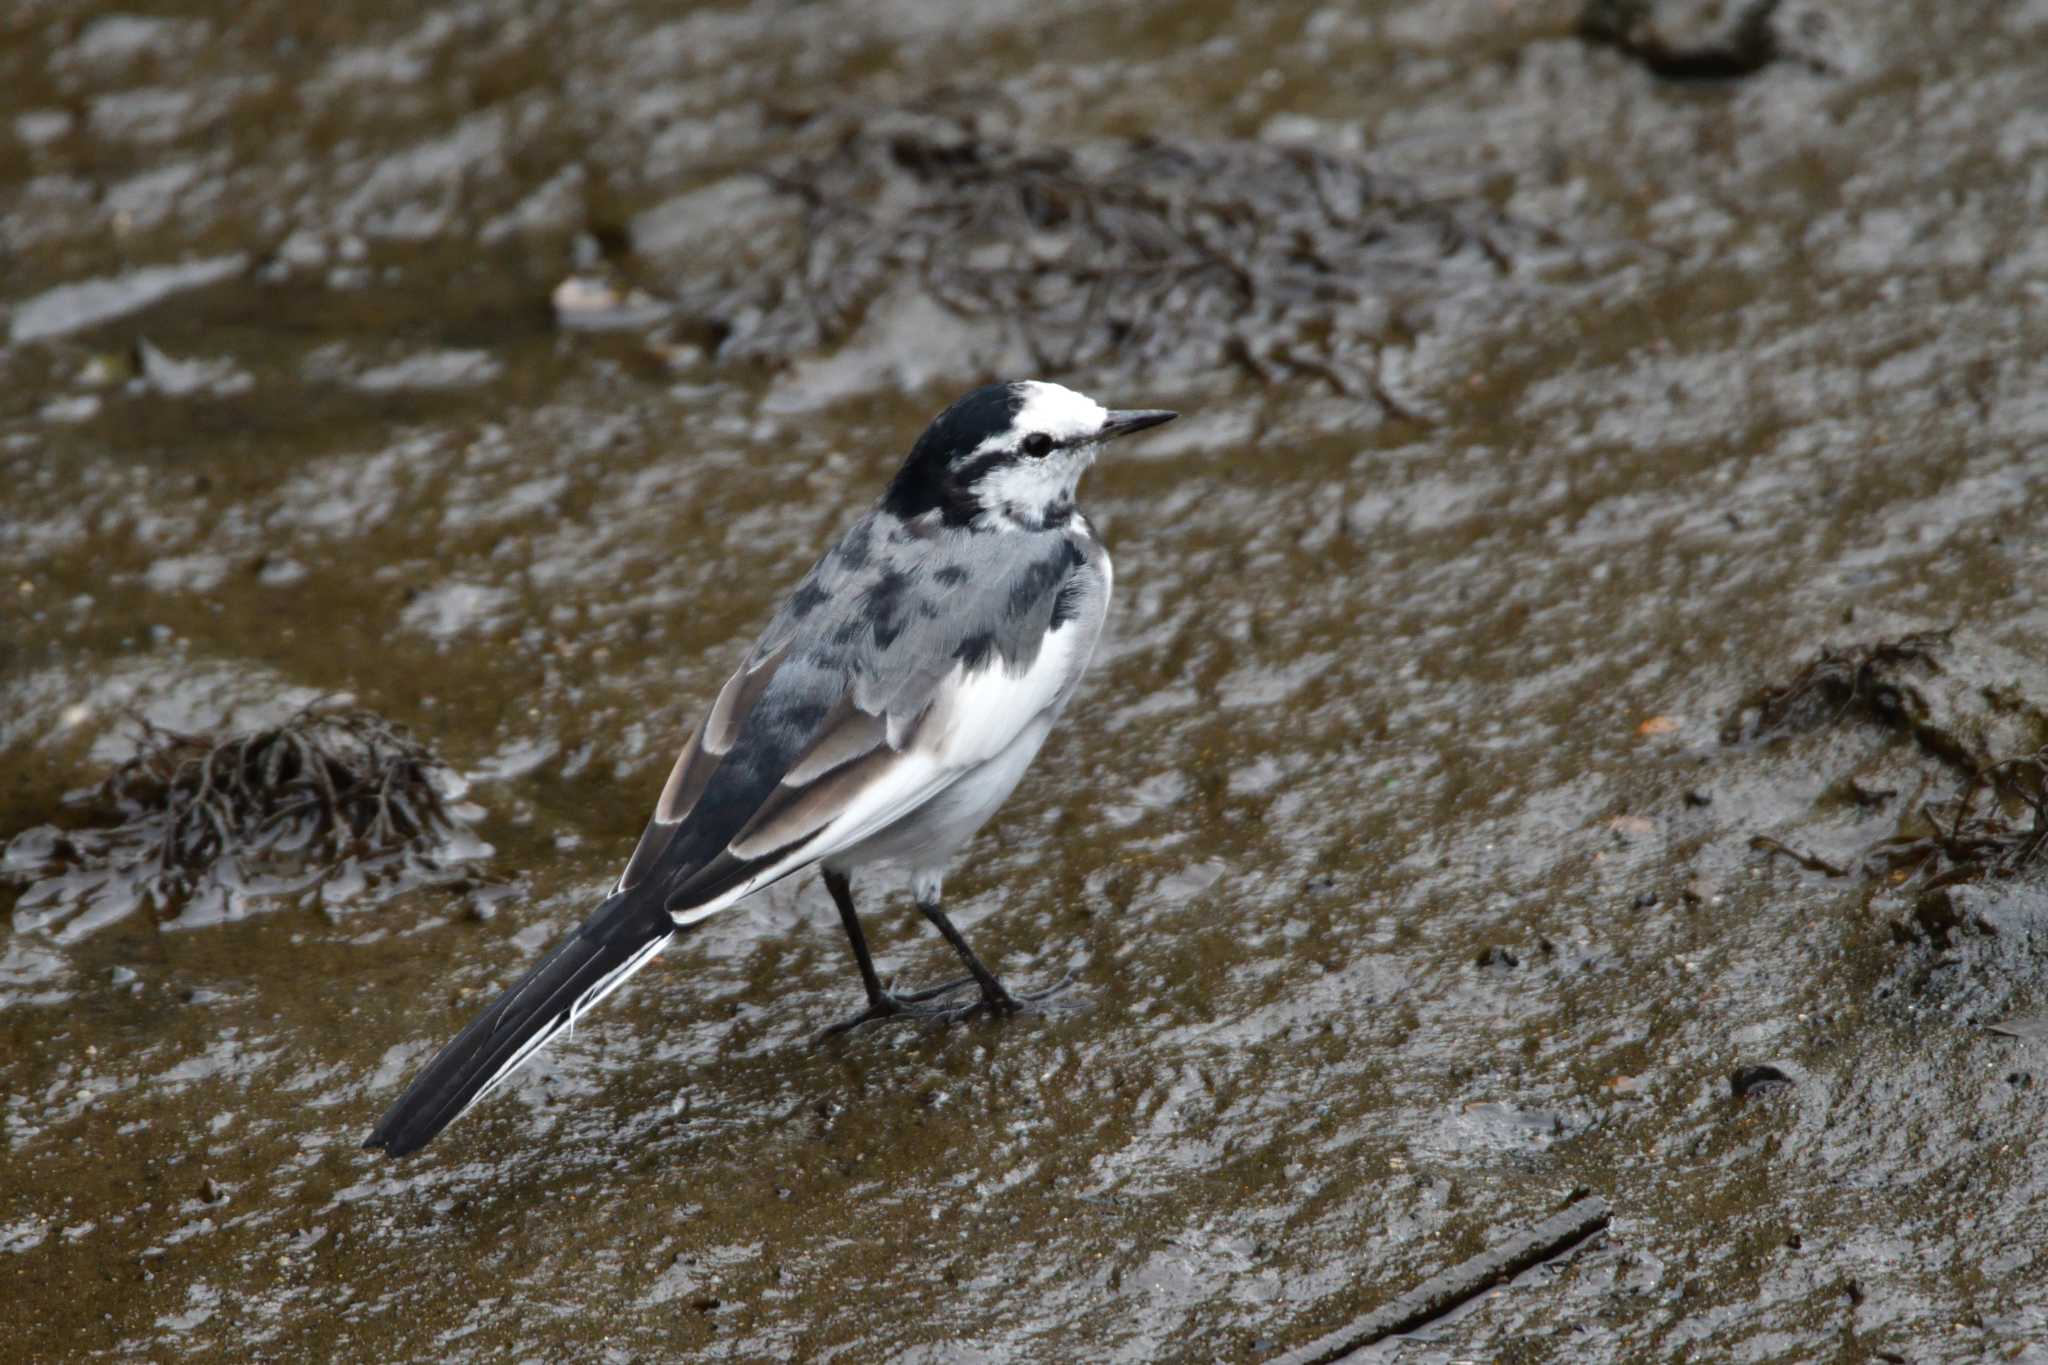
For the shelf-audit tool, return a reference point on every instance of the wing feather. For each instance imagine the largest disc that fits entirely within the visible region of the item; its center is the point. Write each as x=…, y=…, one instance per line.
x=679, y=796
x=737, y=698
x=795, y=812
x=894, y=788
x=847, y=733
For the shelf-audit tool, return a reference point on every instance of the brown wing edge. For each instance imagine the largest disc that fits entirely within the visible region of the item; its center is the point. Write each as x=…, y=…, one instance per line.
x=706, y=746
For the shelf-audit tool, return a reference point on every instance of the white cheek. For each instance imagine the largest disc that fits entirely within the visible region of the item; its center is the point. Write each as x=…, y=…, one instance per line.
x=1031, y=485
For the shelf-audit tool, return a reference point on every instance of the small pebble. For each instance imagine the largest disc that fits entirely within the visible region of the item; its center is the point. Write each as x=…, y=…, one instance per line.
x=1762, y=1079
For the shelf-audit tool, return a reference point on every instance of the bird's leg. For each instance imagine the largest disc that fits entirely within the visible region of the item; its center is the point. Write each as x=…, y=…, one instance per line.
x=842, y=896
x=995, y=997
x=993, y=993
x=881, y=1004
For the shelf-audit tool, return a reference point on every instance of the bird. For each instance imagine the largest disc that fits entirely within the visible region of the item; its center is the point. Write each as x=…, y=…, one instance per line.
x=891, y=705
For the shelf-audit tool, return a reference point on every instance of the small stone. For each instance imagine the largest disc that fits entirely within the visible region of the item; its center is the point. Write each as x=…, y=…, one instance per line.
x=279, y=571
x=1763, y=1079
x=303, y=250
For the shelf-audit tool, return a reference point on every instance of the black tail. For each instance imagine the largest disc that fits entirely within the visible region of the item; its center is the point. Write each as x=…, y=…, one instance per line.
x=622, y=937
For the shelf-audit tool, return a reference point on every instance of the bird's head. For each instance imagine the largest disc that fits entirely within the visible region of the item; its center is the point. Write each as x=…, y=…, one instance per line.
x=1009, y=455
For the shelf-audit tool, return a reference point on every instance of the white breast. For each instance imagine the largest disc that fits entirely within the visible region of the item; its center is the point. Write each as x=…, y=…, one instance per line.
x=976, y=715
x=984, y=729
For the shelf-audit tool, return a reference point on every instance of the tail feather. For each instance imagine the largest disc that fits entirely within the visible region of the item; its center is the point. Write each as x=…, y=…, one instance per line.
x=621, y=938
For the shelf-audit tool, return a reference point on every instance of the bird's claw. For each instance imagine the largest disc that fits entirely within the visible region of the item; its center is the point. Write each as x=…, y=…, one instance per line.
x=925, y=1004
x=913, y=1005
x=1066, y=980
x=929, y=992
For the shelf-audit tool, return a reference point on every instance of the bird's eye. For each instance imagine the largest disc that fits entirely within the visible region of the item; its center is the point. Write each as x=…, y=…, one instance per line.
x=1037, y=445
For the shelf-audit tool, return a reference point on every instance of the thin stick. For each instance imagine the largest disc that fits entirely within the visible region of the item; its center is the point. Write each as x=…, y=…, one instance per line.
x=1812, y=862
x=1453, y=1288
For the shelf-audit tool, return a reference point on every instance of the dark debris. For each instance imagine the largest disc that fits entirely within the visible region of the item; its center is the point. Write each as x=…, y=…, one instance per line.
x=1722, y=40
x=1143, y=255
x=1762, y=1078
x=1873, y=683
x=323, y=790
x=1997, y=827
x=1678, y=42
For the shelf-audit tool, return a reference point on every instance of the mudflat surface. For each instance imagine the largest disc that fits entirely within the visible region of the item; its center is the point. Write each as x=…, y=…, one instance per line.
x=1407, y=874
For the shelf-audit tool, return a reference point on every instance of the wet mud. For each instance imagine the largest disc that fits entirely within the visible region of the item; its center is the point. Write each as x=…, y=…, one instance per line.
x=1412, y=886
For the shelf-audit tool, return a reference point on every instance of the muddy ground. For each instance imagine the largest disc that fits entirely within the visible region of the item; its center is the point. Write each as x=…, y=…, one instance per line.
x=1406, y=873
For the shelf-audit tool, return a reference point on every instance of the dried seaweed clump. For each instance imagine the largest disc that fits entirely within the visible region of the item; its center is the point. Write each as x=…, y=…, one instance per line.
x=194, y=826
x=1148, y=255
x=1996, y=823
x=1997, y=828
x=1869, y=682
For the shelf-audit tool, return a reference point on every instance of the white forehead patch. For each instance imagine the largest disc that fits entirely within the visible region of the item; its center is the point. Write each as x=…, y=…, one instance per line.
x=1058, y=411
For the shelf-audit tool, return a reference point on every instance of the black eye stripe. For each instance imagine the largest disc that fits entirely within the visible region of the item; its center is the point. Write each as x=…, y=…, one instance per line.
x=969, y=474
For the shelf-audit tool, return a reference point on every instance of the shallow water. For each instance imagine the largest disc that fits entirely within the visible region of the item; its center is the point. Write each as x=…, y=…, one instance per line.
x=1374, y=704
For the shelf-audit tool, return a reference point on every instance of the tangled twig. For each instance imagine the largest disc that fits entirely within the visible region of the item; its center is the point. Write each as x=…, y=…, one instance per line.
x=323, y=787
x=1144, y=254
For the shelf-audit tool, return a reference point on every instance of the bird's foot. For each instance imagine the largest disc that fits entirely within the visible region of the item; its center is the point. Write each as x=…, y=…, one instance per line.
x=995, y=999
x=924, y=1004
x=1003, y=1002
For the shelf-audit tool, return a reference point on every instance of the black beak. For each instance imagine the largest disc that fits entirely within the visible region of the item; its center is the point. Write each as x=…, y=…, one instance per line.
x=1124, y=423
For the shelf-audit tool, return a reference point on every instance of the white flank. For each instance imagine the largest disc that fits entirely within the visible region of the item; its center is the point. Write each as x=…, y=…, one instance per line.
x=975, y=715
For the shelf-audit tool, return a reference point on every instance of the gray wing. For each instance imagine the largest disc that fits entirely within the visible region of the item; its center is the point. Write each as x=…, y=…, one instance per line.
x=828, y=703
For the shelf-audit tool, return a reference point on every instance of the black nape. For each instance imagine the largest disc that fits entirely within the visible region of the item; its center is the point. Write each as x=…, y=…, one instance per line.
x=931, y=479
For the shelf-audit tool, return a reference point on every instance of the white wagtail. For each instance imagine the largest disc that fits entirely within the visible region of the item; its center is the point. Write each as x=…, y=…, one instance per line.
x=893, y=703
